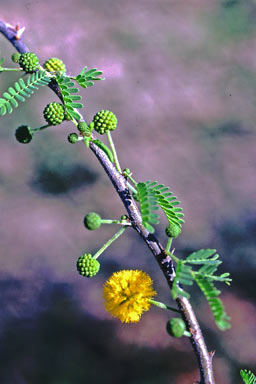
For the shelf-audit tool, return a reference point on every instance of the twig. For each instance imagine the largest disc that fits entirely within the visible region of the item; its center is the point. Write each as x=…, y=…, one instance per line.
x=164, y=261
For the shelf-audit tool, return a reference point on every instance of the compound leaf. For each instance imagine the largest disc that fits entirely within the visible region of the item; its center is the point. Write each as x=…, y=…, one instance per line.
x=211, y=294
x=21, y=91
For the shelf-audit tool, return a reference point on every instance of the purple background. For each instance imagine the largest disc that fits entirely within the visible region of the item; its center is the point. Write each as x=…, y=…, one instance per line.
x=180, y=76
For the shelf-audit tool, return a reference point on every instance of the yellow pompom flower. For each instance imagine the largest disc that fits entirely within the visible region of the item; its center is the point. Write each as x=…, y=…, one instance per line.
x=126, y=294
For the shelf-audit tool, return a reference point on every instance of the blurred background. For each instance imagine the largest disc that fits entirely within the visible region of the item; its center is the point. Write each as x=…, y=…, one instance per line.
x=180, y=76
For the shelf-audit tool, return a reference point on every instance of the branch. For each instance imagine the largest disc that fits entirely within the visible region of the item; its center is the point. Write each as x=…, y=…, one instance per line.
x=164, y=261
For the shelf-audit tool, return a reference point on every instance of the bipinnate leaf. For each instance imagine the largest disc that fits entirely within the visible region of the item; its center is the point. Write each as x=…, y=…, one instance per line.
x=148, y=206
x=86, y=78
x=21, y=91
x=183, y=276
x=205, y=278
x=211, y=294
x=153, y=196
x=67, y=88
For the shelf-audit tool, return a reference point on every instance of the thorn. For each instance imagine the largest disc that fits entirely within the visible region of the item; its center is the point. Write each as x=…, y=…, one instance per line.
x=173, y=250
x=19, y=31
x=11, y=27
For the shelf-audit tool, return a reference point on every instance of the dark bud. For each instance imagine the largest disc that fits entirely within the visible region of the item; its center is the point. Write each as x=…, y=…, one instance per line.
x=23, y=134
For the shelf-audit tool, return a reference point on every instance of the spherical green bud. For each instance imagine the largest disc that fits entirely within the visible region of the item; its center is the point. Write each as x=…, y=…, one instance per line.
x=23, y=134
x=15, y=57
x=124, y=217
x=28, y=62
x=87, y=265
x=173, y=230
x=84, y=128
x=92, y=221
x=54, y=113
x=104, y=121
x=55, y=65
x=176, y=327
x=73, y=138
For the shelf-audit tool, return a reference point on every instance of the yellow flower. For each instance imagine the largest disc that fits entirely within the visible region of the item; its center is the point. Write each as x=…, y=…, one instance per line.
x=126, y=294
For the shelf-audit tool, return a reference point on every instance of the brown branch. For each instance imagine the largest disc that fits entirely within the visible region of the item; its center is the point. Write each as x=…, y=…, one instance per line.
x=164, y=261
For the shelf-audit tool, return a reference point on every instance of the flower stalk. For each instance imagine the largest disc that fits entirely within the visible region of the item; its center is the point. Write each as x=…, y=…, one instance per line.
x=112, y=146
x=109, y=242
x=163, y=306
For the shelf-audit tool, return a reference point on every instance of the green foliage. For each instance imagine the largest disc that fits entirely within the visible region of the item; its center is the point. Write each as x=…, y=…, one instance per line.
x=67, y=89
x=167, y=202
x=86, y=79
x=204, y=277
x=21, y=91
x=151, y=196
x=210, y=292
x=148, y=204
x=208, y=258
x=183, y=276
x=247, y=376
x=105, y=148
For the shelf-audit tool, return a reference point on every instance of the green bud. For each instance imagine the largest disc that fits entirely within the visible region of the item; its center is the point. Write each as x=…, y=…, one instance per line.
x=55, y=65
x=73, y=138
x=84, y=128
x=54, y=113
x=87, y=265
x=176, y=327
x=92, y=221
x=173, y=230
x=104, y=121
x=15, y=57
x=29, y=62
